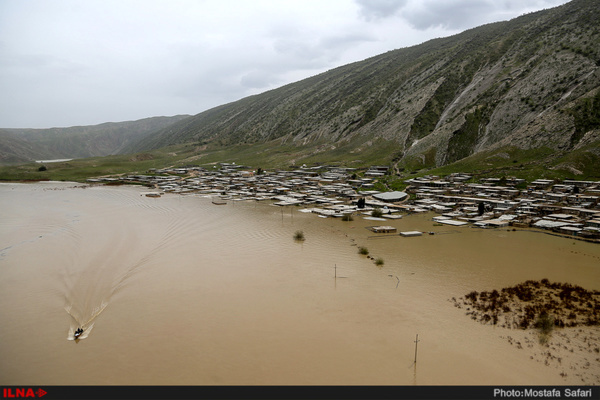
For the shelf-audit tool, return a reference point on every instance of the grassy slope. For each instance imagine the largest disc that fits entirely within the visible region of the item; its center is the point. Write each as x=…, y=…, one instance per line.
x=81, y=169
x=528, y=164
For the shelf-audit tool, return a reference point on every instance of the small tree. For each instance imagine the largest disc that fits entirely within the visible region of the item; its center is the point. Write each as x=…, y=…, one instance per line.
x=42, y=168
x=299, y=236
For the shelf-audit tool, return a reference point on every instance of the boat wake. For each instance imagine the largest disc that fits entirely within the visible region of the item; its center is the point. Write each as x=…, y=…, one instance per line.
x=77, y=321
x=93, y=278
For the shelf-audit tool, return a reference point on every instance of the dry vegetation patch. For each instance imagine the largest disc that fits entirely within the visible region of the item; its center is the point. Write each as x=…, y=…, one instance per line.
x=536, y=310
x=528, y=304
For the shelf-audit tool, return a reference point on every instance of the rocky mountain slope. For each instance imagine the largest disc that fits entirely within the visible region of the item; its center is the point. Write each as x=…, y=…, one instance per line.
x=23, y=145
x=532, y=82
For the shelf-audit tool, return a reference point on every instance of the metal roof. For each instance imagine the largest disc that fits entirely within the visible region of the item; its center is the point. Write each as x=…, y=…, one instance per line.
x=390, y=196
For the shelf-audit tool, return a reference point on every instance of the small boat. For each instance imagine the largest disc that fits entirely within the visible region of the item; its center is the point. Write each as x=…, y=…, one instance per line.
x=78, y=333
x=219, y=202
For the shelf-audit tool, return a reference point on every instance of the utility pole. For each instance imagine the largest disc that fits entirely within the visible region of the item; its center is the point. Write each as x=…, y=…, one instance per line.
x=416, y=344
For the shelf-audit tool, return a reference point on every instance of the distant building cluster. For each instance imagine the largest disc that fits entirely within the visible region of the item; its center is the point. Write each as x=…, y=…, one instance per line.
x=569, y=207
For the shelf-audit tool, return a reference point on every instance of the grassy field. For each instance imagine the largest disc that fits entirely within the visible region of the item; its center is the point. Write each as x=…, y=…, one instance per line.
x=79, y=170
x=275, y=154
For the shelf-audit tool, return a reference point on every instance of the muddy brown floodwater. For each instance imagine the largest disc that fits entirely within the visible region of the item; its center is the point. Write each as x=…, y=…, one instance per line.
x=179, y=291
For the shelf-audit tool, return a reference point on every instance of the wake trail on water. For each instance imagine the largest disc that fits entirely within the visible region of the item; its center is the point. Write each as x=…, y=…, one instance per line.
x=112, y=265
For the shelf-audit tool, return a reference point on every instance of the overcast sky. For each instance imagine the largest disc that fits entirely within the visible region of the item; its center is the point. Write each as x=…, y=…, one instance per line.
x=67, y=63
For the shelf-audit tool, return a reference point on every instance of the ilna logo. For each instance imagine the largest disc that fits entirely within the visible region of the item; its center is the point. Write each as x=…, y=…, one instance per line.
x=22, y=392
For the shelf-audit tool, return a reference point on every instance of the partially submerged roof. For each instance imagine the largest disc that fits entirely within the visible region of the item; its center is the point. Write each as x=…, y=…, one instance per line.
x=390, y=196
x=411, y=233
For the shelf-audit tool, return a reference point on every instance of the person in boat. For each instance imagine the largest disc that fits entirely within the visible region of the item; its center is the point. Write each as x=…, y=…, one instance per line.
x=78, y=332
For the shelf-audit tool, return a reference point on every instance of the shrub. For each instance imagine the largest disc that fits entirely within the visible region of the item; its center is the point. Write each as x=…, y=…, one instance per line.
x=363, y=250
x=377, y=213
x=299, y=236
x=379, y=262
x=472, y=296
x=347, y=217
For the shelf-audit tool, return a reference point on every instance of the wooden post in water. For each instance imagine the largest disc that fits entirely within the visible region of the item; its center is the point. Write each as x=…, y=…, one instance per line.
x=335, y=276
x=416, y=344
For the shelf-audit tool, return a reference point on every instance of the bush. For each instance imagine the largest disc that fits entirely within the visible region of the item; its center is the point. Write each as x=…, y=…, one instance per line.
x=472, y=296
x=42, y=168
x=299, y=236
x=347, y=217
x=363, y=250
x=377, y=213
x=379, y=262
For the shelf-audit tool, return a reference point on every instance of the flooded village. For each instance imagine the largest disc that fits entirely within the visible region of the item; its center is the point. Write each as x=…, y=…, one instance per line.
x=204, y=252
x=569, y=207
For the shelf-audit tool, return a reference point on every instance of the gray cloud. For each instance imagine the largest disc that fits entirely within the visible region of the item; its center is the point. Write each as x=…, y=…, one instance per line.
x=377, y=9
x=464, y=14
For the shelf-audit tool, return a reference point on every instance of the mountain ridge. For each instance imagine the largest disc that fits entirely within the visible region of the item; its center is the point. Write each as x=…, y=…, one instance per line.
x=109, y=138
x=521, y=82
